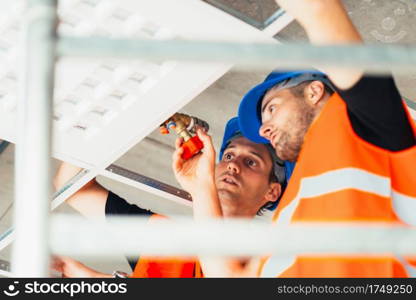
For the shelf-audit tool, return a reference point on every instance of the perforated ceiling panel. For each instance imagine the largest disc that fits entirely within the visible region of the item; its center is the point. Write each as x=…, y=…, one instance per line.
x=102, y=107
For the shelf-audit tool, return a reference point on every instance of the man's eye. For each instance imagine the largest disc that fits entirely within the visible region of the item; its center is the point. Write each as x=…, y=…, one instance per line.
x=227, y=156
x=272, y=108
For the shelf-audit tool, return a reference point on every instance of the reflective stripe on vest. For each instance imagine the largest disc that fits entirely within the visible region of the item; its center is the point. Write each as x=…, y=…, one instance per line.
x=276, y=265
x=405, y=207
x=348, y=178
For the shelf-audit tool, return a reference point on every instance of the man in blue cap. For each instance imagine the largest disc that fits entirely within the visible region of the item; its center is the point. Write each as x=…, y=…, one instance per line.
x=235, y=146
x=250, y=179
x=239, y=174
x=353, y=142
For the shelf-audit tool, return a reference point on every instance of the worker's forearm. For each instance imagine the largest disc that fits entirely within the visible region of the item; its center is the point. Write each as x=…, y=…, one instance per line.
x=325, y=21
x=226, y=267
x=205, y=201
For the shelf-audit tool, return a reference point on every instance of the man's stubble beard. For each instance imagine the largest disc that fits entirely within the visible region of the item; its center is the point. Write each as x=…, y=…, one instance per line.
x=226, y=195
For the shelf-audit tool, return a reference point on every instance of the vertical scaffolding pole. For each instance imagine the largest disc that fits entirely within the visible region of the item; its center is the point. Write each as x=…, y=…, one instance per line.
x=30, y=255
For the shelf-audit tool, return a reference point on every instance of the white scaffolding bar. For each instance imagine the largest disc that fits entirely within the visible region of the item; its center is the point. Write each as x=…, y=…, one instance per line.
x=119, y=174
x=179, y=236
x=283, y=19
x=30, y=256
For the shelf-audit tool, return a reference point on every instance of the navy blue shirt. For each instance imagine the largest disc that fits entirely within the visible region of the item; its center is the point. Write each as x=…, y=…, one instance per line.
x=116, y=206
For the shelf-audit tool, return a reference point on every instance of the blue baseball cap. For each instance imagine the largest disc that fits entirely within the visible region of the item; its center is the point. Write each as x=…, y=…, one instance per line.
x=281, y=169
x=249, y=113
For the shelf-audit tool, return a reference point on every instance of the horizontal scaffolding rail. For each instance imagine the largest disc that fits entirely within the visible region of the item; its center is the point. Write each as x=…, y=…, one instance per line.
x=133, y=236
x=5, y=268
x=119, y=174
x=3, y=146
x=147, y=184
x=373, y=58
x=411, y=104
x=6, y=273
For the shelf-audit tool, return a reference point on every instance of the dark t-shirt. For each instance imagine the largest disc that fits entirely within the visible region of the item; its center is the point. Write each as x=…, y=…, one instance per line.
x=375, y=109
x=116, y=205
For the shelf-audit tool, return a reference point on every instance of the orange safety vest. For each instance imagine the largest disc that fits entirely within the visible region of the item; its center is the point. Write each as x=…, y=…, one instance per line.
x=166, y=267
x=154, y=267
x=340, y=177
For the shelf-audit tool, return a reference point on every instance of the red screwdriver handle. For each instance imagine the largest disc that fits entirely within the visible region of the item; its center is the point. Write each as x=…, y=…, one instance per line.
x=191, y=147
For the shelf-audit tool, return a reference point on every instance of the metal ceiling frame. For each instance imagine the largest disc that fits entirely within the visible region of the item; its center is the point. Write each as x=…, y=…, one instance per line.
x=32, y=228
x=41, y=18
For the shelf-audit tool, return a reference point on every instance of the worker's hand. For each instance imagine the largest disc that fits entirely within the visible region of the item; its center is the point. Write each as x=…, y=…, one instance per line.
x=72, y=268
x=65, y=172
x=195, y=173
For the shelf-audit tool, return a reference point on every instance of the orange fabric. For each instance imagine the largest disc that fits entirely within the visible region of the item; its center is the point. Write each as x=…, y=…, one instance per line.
x=332, y=146
x=403, y=172
x=166, y=267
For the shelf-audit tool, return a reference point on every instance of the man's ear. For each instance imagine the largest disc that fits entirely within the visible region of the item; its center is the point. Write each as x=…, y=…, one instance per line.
x=315, y=92
x=274, y=192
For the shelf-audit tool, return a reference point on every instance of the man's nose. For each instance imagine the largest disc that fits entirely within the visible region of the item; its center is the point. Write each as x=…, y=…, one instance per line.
x=266, y=130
